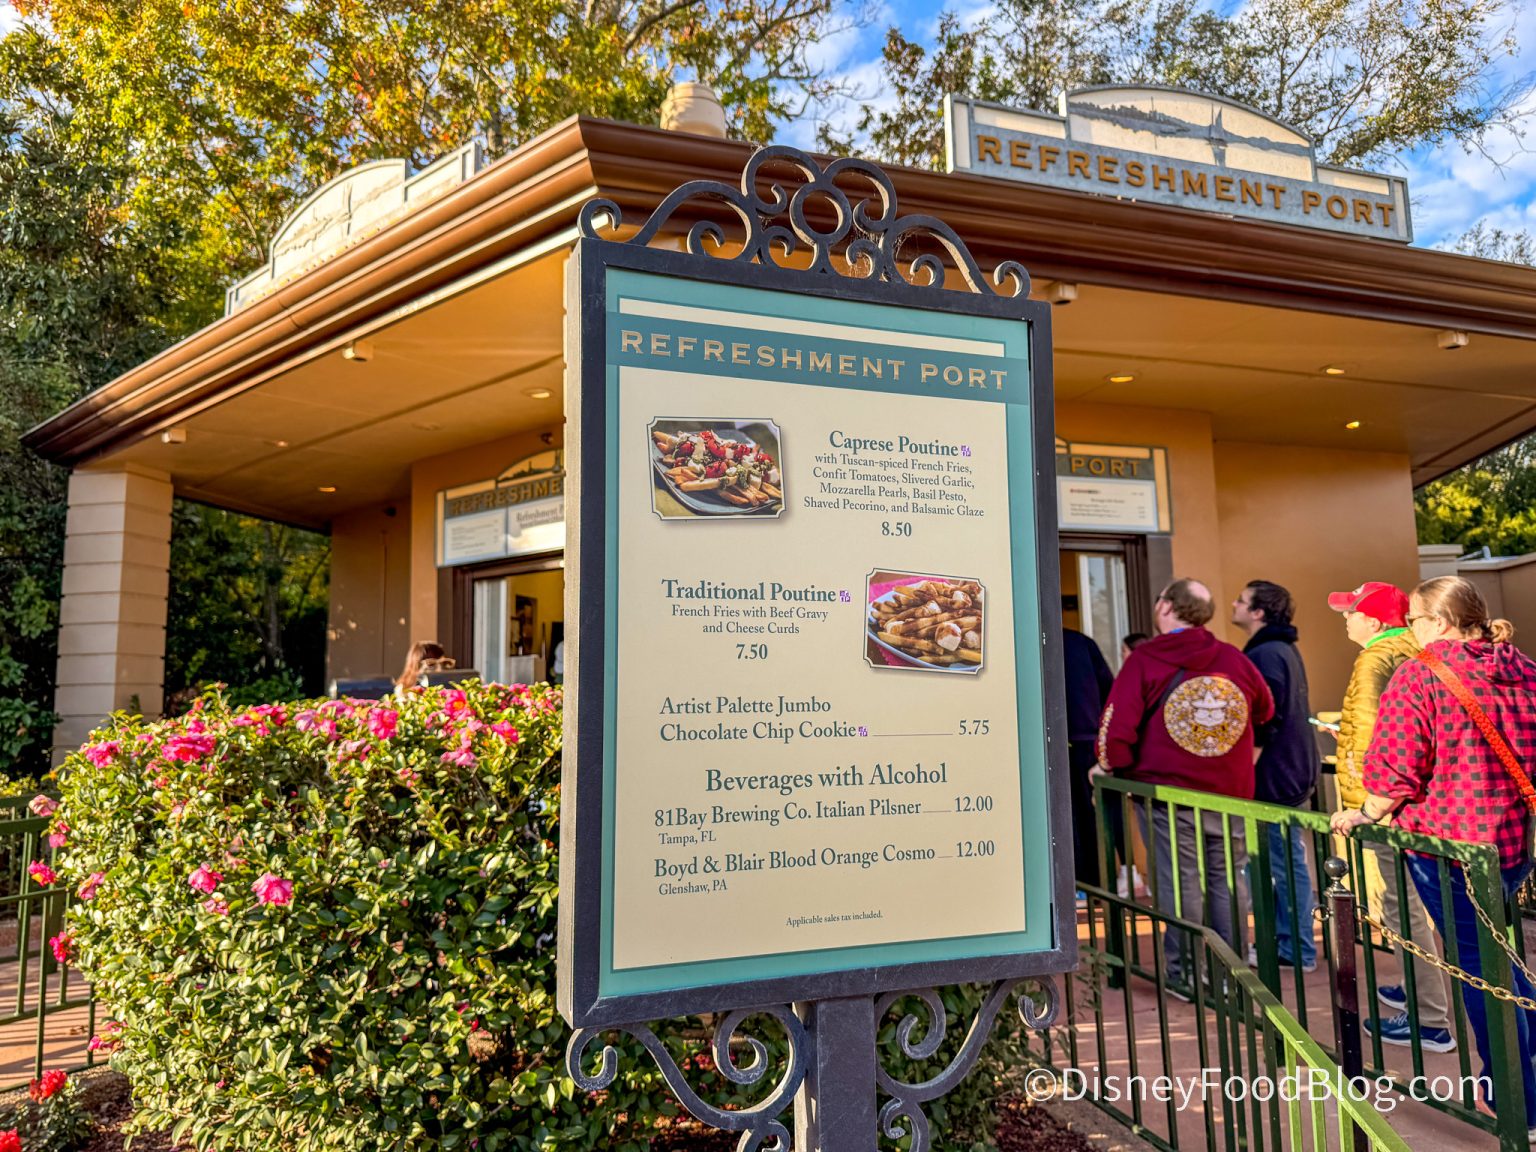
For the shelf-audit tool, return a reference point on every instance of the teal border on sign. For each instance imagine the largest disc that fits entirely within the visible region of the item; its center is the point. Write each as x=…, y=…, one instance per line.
x=1039, y=873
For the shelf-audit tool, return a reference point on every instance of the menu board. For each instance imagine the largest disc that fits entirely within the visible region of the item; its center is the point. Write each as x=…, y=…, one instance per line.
x=823, y=713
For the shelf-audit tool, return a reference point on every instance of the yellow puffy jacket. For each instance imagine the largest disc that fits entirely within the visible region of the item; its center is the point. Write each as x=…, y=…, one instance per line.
x=1362, y=699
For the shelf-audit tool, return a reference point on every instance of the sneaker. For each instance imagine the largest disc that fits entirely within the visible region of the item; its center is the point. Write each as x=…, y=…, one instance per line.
x=1393, y=996
x=1396, y=1030
x=1253, y=962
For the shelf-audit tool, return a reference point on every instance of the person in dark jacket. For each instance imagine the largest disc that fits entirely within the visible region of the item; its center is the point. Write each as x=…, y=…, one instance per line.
x=1182, y=713
x=1288, y=764
x=1088, y=683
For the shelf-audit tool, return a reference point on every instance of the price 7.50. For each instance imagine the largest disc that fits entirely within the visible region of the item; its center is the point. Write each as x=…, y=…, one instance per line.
x=751, y=651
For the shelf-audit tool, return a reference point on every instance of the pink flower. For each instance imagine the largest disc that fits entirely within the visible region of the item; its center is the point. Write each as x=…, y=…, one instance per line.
x=505, y=730
x=62, y=946
x=101, y=754
x=462, y=756
x=216, y=906
x=382, y=721
x=59, y=836
x=205, y=879
x=43, y=874
x=409, y=777
x=272, y=889
x=455, y=701
x=92, y=882
x=193, y=746
x=109, y=1039
x=353, y=750
x=43, y=806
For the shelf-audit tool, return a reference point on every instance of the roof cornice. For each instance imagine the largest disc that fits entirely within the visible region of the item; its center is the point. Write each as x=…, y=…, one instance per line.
x=536, y=192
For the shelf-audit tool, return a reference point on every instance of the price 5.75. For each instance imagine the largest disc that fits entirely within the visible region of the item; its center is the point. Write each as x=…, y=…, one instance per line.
x=975, y=727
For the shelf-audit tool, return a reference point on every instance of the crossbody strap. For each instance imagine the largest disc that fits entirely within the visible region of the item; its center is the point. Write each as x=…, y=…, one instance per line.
x=1179, y=676
x=1490, y=733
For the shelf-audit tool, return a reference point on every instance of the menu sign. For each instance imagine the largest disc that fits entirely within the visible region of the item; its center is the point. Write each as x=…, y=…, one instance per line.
x=823, y=719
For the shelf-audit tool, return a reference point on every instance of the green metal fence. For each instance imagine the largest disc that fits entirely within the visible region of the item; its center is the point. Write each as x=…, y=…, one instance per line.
x=1200, y=822
x=35, y=989
x=1277, y=1089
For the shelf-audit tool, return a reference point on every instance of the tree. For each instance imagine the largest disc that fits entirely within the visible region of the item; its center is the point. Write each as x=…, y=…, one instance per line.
x=1364, y=78
x=235, y=112
x=1490, y=503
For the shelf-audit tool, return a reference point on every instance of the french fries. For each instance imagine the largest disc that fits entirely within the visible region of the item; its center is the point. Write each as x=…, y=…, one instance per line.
x=937, y=622
x=735, y=472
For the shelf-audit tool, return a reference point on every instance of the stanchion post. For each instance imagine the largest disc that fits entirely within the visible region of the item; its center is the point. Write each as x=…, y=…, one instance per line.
x=835, y=1107
x=1340, y=904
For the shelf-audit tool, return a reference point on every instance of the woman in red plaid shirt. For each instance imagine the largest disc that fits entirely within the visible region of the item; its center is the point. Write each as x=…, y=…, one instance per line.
x=1439, y=770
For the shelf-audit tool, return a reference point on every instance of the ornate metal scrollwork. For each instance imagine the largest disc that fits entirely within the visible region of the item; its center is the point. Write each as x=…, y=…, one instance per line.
x=865, y=239
x=759, y=1125
x=907, y=1100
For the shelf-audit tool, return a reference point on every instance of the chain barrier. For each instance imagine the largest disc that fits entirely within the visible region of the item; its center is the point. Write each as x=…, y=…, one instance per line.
x=1461, y=974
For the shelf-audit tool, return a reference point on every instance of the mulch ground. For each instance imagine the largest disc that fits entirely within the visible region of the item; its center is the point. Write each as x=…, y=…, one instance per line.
x=1021, y=1127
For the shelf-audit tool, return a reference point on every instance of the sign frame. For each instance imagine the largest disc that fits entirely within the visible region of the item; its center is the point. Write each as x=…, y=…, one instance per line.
x=580, y=998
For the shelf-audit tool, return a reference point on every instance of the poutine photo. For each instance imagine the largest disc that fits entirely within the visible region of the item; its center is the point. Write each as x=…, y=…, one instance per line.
x=716, y=468
x=931, y=623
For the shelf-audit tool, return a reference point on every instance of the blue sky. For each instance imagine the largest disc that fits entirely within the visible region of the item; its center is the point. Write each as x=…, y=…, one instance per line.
x=1451, y=187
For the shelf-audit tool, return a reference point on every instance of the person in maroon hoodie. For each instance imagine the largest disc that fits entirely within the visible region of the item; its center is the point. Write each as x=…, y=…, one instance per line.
x=1182, y=713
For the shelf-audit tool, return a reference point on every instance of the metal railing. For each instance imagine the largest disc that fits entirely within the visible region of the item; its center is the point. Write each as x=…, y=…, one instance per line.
x=1277, y=1089
x=34, y=987
x=1218, y=832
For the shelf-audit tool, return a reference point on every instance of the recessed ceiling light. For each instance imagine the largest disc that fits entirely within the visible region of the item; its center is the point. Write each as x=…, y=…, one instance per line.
x=1352, y=425
x=1333, y=370
x=1121, y=378
x=327, y=487
x=278, y=443
x=538, y=393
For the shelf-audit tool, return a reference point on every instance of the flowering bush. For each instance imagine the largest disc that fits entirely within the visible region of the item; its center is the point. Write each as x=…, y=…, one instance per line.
x=54, y=1121
x=331, y=926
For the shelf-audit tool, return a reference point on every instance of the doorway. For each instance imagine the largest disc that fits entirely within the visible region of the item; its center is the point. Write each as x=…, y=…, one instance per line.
x=1106, y=589
x=509, y=618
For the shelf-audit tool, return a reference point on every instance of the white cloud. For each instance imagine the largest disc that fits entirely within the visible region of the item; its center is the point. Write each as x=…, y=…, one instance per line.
x=9, y=18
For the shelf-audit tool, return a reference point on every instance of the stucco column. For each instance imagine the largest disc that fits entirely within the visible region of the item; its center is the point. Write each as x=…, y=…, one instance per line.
x=117, y=555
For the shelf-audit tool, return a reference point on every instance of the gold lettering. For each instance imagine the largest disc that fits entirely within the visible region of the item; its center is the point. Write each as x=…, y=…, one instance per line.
x=1048, y=155
x=739, y=352
x=1343, y=208
x=659, y=344
x=1135, y=173
x=998, y=376
x=1276, y=191
x=1386, y=214
x=929, y=371
x=1252, y=193
x=629, y=341
x=1362, y=211
x=1077, y=165
x=875, y=368
x=764, y=356
x=977, y=377
x=714, y=350
x=821, y=361
x=790, y=357
x=686, y=344
x=1162, y=178
x=989, y=147
x=1018, y=153
x=1224, y=190
x=845, y=365
x=896, y=367
x=1309, y=201
x=1194, y=182
x=1107, y=166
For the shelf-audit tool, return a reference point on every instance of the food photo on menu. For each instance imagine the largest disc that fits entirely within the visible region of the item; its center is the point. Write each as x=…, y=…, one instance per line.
x=706, y=467
x=923, y=622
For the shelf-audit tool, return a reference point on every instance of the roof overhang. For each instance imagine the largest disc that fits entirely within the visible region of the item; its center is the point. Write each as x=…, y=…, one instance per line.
x=527, y=204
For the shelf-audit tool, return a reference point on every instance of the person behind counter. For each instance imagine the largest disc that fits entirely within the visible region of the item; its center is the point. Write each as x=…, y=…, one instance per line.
x=425, y=656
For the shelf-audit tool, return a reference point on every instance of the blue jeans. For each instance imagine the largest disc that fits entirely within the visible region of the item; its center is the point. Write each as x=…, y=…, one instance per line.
x=1426, y=878
x=1292, y=885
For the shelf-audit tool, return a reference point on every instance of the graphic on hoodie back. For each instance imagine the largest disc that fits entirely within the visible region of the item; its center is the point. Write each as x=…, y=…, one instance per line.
x=1206, y=715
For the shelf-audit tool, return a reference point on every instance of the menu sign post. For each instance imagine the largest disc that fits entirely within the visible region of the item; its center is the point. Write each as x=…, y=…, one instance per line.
x=815, y=746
